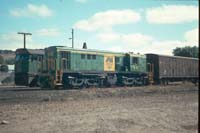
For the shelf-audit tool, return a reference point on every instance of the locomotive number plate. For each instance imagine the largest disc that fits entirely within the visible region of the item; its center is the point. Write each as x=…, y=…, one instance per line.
x=109, y=63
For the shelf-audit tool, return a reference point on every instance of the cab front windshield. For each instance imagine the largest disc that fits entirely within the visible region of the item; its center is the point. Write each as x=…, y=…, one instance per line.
x=21, y=57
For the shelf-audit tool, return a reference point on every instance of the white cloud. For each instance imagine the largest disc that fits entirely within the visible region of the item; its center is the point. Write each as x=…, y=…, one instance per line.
x=192, y=37
x=107, y=19
x=138, y=42
x=108, y=36
x=48, y=32
x=130, y=39
x=125, y=42
x=10, y=36
x=12, y=41
x=162, y=47
x=137, y=39
x=159, y=47
x=32, y=10
x=172, y=14
x=117, y=49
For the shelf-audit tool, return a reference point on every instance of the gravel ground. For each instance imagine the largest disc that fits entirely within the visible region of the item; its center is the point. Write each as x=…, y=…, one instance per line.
x=152, y=109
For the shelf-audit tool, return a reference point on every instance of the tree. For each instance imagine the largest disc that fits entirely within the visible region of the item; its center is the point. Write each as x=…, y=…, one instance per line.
x=187, y=51
x=1, y=59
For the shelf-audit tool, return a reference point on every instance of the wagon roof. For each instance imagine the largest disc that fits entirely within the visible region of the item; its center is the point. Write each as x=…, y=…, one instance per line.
x=172, y=56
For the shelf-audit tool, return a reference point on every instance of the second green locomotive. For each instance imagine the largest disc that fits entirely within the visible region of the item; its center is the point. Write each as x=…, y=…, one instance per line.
x=28, y=65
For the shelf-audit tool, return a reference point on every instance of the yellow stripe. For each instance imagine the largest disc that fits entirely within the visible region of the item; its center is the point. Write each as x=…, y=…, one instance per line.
x=86, y=52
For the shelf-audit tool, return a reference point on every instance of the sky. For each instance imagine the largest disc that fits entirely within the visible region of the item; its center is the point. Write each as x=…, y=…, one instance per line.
x=139, y=26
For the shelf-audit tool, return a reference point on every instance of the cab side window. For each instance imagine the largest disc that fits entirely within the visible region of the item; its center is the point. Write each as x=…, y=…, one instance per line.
x=117, y=59
x=88, y=56
x=82, y=56
x=135, y=60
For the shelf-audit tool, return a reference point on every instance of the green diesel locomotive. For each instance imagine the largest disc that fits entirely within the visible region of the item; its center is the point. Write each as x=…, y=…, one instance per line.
x=69, y=67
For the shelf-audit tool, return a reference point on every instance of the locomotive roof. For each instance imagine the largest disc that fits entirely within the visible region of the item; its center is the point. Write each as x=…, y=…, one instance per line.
x=31, y=51
x=172, y=56
x=93, y=50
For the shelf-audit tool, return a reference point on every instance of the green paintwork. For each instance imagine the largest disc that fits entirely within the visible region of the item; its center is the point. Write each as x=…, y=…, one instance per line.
x=21, y=63
x=76, y=63
x=79, y=64
x=28, y=64
x=141, y=66
x=119, y=66
x=35, y=64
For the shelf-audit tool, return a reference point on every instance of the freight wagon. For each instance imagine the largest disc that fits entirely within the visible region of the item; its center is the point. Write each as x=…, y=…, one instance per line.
x=69, y=67
x=173, y=68
x=28, y=65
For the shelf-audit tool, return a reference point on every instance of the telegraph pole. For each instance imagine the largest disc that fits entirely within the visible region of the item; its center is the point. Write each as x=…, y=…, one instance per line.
x=72, y=38
x=23, y=33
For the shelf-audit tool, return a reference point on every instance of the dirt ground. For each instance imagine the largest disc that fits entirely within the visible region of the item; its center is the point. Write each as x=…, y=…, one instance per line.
x=152, y=109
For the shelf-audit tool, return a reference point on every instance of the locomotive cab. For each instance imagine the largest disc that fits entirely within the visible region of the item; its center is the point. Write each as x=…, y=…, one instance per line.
x=134, y=70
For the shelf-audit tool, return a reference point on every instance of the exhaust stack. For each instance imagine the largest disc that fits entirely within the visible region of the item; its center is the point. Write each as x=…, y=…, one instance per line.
x=84, y=45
